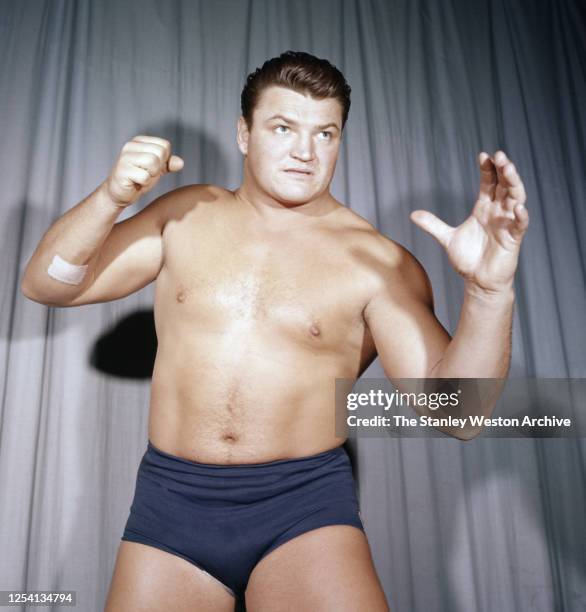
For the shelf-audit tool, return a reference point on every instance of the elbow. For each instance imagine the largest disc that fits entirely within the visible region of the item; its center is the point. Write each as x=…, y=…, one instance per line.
x=33, y=296
x=27, y=285
x=27, y=290
x=467, y=434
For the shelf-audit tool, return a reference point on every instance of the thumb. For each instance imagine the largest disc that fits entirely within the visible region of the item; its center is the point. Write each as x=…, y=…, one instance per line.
x=175, y=163
x=427, y=221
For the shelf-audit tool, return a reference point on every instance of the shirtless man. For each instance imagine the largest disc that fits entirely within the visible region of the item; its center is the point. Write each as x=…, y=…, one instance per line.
x=264, y=296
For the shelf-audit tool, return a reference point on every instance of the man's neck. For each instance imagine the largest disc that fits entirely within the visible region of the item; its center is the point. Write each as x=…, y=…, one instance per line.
x=275, y=213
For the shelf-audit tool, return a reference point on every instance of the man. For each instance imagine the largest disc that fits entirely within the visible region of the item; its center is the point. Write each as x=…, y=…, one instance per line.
x=264, y=296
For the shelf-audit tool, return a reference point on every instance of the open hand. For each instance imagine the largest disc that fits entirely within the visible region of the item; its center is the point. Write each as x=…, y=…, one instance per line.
x=485, y=248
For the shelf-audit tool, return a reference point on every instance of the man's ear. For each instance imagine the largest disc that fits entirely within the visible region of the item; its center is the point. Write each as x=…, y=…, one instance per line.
x=242, y=135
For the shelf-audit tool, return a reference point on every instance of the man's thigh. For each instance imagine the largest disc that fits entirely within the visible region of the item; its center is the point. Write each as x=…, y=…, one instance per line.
x=147, y=579
x=325, y=569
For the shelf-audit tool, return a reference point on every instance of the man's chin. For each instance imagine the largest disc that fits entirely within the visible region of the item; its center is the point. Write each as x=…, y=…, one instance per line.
x=295, y=198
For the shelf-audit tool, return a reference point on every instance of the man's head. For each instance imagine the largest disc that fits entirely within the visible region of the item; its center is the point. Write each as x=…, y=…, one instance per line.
x=301, y=72
x=293, y=112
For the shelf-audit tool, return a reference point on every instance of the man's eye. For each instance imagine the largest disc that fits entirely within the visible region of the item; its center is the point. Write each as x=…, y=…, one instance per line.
x=325, y=135
x=282, y=129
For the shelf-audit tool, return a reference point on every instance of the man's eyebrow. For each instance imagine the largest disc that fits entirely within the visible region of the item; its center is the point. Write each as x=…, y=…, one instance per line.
x=293, y=122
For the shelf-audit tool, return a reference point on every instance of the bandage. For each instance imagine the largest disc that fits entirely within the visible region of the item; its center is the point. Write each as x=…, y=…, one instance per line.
x=66, y=272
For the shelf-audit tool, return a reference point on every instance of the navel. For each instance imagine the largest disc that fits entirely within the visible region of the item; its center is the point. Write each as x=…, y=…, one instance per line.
x=229, y=437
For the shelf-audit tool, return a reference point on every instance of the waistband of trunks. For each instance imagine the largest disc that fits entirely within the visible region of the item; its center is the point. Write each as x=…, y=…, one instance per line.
x=279, y=465
x=327, y=474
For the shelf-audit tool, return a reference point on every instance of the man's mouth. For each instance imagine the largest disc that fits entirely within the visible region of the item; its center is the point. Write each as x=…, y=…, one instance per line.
x=298, y=171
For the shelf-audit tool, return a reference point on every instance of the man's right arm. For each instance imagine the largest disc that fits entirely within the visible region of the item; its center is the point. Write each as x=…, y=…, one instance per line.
x=121, y=257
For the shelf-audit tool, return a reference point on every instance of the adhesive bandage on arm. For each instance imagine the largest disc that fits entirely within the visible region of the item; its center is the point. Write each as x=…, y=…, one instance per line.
x=66, y=272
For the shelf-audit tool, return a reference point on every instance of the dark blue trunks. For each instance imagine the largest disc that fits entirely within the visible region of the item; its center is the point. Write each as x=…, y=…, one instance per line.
x=225, y=518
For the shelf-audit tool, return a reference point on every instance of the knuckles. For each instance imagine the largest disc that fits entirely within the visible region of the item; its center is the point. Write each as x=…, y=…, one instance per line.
x=161, y=146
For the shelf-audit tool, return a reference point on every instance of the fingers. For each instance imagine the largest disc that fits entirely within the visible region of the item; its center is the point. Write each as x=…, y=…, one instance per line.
x=147, y=161
x=158, y=147
x=510, y=190
x=136, y=175
x=155, y=140
x=488, y=177
x=427, y=221
x=500, y=184
x=519, y=227
x=500, y=181
x=147, y=154
x=140, y=165
x=175, y=163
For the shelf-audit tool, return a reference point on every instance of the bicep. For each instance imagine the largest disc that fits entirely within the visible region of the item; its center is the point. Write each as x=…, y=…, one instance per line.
x=408, y=337
x=129, y=259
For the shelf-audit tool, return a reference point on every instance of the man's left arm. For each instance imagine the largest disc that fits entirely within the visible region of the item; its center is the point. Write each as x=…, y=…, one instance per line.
x=484, y=249
x=481, y=346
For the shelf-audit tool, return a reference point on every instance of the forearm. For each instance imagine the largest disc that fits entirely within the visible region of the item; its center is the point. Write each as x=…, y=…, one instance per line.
x=77, y=237
x=481, y=346
x=480, y=349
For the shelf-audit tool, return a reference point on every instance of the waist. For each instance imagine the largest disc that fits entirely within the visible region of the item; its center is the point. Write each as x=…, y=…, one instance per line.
x=309, y=461
x=231, y=486
x=242, y=426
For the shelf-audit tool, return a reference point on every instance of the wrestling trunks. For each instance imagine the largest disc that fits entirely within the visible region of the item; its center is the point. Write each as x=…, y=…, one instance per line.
x=225, y=518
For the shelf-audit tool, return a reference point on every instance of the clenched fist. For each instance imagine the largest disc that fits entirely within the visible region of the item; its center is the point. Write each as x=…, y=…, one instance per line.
x=140, y=165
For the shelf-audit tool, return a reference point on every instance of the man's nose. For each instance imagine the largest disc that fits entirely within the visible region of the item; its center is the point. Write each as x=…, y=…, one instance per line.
x=303, y=149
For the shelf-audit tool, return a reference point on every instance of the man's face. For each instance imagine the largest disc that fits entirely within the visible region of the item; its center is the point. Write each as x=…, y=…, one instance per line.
x=292, y=148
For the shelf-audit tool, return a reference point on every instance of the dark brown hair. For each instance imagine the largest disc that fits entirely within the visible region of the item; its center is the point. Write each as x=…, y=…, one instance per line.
x=301, y=72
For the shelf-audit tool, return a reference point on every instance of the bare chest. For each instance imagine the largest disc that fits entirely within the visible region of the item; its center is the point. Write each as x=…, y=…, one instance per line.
x=297, y=287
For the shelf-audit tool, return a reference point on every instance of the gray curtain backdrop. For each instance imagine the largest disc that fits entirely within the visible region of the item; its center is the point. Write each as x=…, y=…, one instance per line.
x=491, y=524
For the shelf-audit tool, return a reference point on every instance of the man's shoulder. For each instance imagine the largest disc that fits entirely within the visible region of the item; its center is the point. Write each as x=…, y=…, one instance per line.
x=365, y=235
x=392, y=264
x=194, y=197
x=199, y=193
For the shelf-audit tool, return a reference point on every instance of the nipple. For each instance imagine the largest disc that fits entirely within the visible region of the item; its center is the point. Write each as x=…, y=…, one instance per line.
x=181, y=295
x=314, y=330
